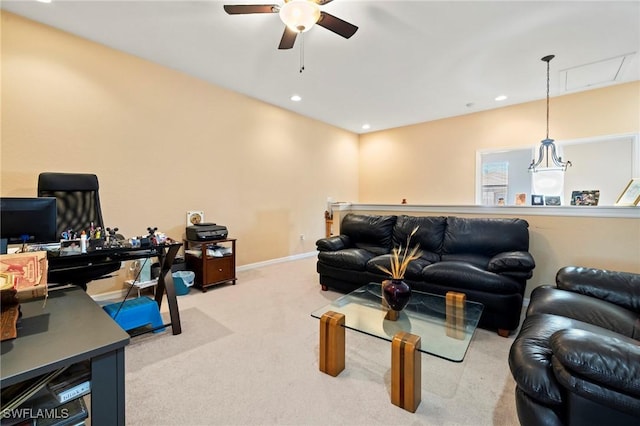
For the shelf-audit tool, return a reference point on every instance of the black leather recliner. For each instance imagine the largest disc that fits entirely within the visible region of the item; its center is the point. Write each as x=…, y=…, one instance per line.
x=487, y=259
x=576, y=359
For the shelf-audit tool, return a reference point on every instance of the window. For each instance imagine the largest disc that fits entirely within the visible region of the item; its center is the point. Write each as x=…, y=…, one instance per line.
x=604, y=164
x=495, y=182
x=501, y=176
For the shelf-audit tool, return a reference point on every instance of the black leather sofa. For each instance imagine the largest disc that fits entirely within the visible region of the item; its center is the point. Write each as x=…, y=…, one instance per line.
x=576, y=359
x=487, y=259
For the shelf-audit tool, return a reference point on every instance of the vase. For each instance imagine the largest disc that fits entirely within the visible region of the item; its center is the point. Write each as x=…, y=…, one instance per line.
x=396, y=293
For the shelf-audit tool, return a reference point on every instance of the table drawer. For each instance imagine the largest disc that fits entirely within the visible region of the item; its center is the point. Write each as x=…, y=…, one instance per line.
x=219, y=269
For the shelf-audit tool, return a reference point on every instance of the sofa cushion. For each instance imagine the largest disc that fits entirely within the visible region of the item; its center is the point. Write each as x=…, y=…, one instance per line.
x=353, y=258
x=413, y=272
x=369, y=232
x=428, y=236
x=485, y=236
x=477, y=260
x=463, y=275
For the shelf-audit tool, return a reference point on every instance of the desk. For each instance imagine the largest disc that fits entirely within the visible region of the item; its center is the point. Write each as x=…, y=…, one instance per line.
x=70, y=328
x=166, y=253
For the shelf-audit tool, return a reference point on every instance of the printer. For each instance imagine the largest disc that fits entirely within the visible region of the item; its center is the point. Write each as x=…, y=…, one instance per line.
x=206, y=232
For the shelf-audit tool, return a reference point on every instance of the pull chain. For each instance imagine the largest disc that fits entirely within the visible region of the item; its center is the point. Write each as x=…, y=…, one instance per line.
x=301, y=52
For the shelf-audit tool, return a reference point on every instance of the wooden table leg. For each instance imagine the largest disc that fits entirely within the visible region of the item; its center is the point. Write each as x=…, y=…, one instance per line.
x=455, y=316
x=406, y=371
x=332, y=343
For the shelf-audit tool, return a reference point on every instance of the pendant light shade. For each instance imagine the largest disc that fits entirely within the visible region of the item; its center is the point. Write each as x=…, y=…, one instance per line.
x=547, y=154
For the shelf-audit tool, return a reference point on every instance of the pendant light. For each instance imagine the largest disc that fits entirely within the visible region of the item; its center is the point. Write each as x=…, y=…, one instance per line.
x=547, y=152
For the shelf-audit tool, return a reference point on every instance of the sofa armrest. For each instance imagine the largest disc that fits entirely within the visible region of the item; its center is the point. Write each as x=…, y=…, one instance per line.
x=620, y=288
x=335, y=243
x=601, y=368
x=512, y=261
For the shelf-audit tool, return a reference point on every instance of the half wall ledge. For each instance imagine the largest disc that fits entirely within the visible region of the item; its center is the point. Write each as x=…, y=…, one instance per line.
x=631, y=212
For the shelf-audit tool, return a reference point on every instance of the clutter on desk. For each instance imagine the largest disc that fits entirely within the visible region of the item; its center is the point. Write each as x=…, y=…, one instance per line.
x=95, y=238
x=75, y=242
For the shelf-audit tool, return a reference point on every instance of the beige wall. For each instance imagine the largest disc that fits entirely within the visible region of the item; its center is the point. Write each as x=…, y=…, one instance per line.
x=435, y=162
x=163, y=143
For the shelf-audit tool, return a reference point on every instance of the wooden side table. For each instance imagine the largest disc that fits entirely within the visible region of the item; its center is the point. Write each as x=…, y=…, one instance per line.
x=211, y=270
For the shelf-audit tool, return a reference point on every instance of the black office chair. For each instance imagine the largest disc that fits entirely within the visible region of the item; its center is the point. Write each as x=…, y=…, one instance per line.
x=78, y=205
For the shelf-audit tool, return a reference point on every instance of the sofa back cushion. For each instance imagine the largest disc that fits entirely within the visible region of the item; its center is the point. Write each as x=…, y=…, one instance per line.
x=486, y=237
x=429, y=234
x=369, y=232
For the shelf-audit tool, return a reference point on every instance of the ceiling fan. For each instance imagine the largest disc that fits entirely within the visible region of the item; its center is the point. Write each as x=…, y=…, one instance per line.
x=299, y=16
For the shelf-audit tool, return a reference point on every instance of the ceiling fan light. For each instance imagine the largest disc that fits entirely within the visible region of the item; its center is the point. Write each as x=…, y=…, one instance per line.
x=299, y=15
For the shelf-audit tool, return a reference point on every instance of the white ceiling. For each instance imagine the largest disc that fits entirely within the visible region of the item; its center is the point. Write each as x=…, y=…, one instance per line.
x=409, y=62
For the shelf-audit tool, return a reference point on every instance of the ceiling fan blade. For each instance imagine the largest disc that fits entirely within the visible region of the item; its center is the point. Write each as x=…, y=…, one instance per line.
x=323, y=2
x=242, y=9
x=288, y=39
x=336, y=25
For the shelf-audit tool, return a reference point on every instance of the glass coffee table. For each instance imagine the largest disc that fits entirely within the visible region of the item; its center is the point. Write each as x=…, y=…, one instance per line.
x=437, y=325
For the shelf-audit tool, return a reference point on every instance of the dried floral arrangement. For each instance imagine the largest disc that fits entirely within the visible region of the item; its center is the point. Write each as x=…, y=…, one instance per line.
x=400, y=258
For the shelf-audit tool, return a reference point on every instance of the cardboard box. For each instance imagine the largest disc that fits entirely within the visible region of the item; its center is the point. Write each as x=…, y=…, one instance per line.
x=26, y=272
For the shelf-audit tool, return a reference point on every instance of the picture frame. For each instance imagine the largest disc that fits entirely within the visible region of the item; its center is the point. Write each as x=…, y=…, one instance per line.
x=585, y=197
x=521, y=199
x=537, y=200
x=195, y=217
x=631, y=194
x=552, y=200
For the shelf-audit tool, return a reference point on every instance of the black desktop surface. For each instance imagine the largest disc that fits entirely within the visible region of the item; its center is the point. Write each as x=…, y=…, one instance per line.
x=68, y=328
x=59, y=261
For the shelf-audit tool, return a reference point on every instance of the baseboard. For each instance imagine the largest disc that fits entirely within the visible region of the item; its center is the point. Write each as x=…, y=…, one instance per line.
x=116, y=295
x=120, y=294
x=276, y=261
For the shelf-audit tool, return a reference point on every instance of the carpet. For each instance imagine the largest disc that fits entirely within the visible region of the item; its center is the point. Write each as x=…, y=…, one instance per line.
x=151, y=348
x=248, y=355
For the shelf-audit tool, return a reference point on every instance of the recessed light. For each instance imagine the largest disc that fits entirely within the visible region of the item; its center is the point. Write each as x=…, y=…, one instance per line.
x=366, y=126
x=44, y=1
x=296, y=98
x=501, y=98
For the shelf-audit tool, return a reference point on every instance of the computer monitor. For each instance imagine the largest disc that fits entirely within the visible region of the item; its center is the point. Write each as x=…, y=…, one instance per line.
x=28, y=220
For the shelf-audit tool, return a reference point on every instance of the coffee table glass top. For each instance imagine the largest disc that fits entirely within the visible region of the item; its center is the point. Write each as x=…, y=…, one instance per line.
x=445, y=333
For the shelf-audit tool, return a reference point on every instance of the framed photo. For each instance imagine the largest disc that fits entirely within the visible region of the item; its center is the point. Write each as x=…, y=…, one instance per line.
x=631, y=194
x=585, y=198
x=521, y=199
x=195, y=217
x=551, y=200
x=537, y=200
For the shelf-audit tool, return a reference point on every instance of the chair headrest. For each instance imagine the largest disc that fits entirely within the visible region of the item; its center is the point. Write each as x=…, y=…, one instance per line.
x=50, y=181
